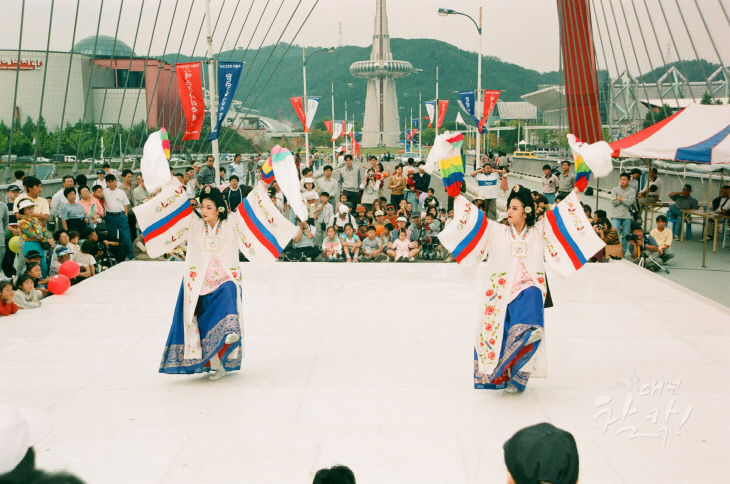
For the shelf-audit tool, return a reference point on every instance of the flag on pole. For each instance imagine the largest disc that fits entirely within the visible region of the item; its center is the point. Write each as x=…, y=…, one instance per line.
x=490, y=100
x=312, y=104
x=415, y=123
x=443, y=106
x=229, y=73
x=190, y=88
x=328, y=125
x=466, y=102
x=337, y=130
x=430, y=111
x=459, y=119
x=350, y=127
x=296, y=103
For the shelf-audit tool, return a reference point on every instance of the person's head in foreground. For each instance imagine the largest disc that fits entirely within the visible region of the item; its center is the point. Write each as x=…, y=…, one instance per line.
x=212, y=205
x=334, y=475
x=19, y=431
x=541, y=454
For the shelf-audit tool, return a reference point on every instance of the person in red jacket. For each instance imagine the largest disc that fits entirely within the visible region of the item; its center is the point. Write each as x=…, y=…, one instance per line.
x=7, y=306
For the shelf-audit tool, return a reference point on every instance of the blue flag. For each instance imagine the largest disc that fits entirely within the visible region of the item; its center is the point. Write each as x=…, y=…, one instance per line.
x=229, y=73
x=415, y=123
x=466, y=101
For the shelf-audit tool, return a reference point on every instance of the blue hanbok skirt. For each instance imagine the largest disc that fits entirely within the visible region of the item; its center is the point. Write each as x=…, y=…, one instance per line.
x=217, y=318
x=524, y=315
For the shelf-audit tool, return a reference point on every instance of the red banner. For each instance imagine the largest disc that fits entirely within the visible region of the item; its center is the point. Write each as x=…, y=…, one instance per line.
x=328, y=125
x=443, y=106
x=190, y=87
x=490, y=100
x=355, y=147
x=296, y=103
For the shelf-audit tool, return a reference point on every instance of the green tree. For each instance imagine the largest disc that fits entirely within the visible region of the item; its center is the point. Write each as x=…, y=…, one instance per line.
x=657, y=114
x=706, y=98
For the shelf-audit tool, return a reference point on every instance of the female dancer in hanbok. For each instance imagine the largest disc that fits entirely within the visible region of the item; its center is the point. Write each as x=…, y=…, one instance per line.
x=509, y=337
x=206, y=327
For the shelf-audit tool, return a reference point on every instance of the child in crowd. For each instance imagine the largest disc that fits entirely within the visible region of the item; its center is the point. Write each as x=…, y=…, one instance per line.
x=372, y=246
x=430, y=200
x=331, y=247
x=325, y=214
x=362, y=230
x=7, y=299
x=350, y=243
x=85, y=259
x=385, y=235
x=73, y=243
x=309, y=196
x=34, y=271
x=26, y=295
x=402, y=246
x=61, y=255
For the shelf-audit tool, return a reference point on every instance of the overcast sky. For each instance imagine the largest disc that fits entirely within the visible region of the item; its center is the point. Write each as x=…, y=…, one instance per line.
x=524, y=32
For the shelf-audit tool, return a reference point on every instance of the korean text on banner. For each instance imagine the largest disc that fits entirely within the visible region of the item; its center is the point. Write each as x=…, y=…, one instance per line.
x=337, y=130
x=415, y=123
x=466, y=101
x=328, y=125
x=443, y=106
x=490, y=100
x=298, y=106
x=229, y=73
x=190, y=87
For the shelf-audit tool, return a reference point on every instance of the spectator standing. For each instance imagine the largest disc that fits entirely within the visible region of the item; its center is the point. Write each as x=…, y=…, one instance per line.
x=191, y=187
x=59, y=198
x=33, y=232
x=116, y=206
x=370, y=189
x=206, y=175
x=663, y=238
x=233, y=194
x=93, y=209
x=33, y=189
x=549, y=184
x=566, y=181
x=682, y=201
x=238, y=168
x=422, y=181
x=622, y=198
x=502, y=161
x=349, y=179
x=140, y=193
x=328, y=184
x=397, y=184
x=4, y=223
x=72, y=214
x=100, y=174
x=19, y=175
x=488, y=189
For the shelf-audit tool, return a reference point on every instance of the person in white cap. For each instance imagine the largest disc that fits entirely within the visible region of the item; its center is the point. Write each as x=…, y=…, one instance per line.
x=310, y=198
x=342, y=218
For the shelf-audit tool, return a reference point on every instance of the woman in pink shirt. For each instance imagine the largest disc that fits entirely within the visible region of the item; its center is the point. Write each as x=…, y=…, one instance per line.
x=91, y=205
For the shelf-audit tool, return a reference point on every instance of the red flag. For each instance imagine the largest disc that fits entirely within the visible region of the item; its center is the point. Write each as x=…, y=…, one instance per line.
x=328, y=125
x=443, y=106
x=190, y=87
x=355, y=147
x=296, y=102
x=490, y=100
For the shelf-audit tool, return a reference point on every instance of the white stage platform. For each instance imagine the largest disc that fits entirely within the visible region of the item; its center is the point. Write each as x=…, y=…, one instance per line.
x=370, y=366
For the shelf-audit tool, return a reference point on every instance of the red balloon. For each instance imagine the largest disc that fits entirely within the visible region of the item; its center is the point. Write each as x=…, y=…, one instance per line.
x=70, y=269
x=59, y=284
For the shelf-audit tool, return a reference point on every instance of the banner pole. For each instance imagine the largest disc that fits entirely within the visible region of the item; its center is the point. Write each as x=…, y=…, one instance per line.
x=306, y=107
x=420, y=126
x=332, y=90
x=212, y=95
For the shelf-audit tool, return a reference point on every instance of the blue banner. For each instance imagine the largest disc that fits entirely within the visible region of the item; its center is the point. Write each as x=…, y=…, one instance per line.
x=229, y=73
x=415, y=123
x=466, y=101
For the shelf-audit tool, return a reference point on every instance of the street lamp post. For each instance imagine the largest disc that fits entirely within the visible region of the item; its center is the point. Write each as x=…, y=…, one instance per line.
x=478, y=111
x=305, y=101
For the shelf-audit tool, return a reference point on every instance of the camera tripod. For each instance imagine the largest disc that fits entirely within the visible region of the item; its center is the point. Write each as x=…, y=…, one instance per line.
x=644, y=257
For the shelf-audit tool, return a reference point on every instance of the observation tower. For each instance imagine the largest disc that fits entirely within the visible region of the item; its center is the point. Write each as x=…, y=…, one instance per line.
x=381, y=126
